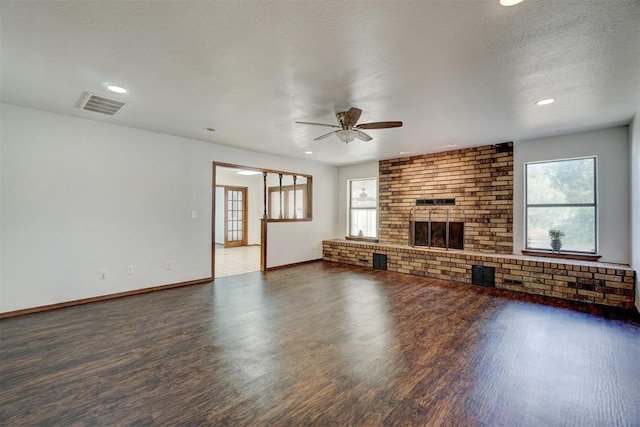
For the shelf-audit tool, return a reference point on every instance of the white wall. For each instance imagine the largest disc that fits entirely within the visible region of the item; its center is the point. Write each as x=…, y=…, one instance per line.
x=634, y=142
x=346, y=173
x=611, y=146
x=282, y=236
x=1, y=210
x=219, y=216
x=79, y=196
x=254, y=209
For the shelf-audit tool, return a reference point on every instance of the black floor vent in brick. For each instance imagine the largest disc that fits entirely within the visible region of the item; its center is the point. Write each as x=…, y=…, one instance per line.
x=483, y=276
x=380, y=261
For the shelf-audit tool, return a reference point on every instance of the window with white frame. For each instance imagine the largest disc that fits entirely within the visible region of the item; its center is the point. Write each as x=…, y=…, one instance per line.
x=561, y=197
x=363, y=195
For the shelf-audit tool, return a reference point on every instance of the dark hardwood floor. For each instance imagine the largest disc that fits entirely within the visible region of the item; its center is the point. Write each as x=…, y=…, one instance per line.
x=323, y=344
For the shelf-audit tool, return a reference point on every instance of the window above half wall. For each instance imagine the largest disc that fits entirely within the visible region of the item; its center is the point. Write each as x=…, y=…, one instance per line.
x=287, y=196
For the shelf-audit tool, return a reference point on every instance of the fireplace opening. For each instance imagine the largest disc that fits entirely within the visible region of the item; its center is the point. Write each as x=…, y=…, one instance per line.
x=437, y=227
x=434, y=234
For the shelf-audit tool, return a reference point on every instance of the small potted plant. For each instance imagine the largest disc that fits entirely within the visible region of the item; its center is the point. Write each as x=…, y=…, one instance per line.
x=556, y=239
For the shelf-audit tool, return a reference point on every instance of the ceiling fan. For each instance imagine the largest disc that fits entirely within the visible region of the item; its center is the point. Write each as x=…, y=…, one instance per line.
x=364, y=197
x=348, y=129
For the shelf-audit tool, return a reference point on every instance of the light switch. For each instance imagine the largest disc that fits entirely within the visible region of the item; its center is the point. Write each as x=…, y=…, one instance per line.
x=194, y=214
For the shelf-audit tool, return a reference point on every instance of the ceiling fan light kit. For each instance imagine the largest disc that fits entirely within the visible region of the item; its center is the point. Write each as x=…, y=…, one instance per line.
x=348, y=129
x=346, y=135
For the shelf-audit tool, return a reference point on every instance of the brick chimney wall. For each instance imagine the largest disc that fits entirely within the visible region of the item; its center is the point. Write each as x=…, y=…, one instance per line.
x=479, y=178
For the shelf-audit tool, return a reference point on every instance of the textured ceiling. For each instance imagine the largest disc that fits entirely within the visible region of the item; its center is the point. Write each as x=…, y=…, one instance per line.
x=463, y=72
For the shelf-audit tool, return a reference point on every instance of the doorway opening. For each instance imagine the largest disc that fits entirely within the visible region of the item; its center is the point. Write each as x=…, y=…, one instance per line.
x=237, y=212
x=245, y=201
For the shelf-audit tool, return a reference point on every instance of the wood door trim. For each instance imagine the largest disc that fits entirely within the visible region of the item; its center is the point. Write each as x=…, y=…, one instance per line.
x=234, y=166
x=263, y=245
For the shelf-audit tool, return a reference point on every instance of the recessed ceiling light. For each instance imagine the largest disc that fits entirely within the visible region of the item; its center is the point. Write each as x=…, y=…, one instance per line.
x=451, y=145
x=248, y=173
x=403, y=152
x=308, y=152
x=546, y=101
x=510, y=2
x=210, y=129
x=117, y=89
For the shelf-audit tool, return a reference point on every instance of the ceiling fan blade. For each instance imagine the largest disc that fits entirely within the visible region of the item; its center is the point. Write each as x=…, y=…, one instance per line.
x=362, y=136
x=319, y=124
x=326, y=135
x=379, y=125
x=352, y=116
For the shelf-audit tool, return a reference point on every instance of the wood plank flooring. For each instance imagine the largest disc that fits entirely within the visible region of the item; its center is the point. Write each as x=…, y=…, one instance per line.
x=323, y=344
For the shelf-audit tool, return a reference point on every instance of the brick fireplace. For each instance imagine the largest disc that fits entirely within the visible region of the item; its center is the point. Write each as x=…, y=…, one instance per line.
x=471, y=232
x=480, y=179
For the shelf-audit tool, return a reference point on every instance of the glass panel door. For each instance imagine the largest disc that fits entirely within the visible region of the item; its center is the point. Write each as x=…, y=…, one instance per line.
x=235, y=233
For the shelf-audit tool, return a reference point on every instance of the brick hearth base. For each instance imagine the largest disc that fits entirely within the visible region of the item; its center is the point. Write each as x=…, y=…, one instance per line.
x=593, y=282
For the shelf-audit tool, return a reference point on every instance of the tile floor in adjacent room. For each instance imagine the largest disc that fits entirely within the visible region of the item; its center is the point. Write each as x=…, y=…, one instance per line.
x=240, y=260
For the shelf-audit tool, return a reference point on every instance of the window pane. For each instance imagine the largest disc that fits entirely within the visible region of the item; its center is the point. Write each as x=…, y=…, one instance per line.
x=363, y=223
x=300, y=204
x=275, y=205
x=281, y=205
x=566, y=181
x=577, y=223
x=363, y=193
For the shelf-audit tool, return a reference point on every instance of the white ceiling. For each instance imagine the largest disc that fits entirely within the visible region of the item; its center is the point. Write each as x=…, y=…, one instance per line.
x=463, y=72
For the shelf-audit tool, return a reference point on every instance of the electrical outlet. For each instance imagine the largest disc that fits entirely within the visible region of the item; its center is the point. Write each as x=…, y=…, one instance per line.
x=103, y=274
x=168, y=265
x=194, y=214
x=130, y=270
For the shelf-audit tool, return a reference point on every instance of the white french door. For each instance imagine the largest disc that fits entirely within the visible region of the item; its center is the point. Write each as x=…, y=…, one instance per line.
x=235, y=216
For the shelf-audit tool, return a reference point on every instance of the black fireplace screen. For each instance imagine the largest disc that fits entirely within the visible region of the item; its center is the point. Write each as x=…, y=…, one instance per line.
x=438, y=237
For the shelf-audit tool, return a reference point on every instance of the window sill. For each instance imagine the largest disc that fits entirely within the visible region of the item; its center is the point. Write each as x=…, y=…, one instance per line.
x=563, y=255
x=363, y=239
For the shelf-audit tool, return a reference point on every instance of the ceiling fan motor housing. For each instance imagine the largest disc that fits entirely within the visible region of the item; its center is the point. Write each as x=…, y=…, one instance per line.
x=340, y=116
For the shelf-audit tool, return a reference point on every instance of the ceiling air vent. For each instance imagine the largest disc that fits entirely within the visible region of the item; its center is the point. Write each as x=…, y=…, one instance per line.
x=100, y=104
